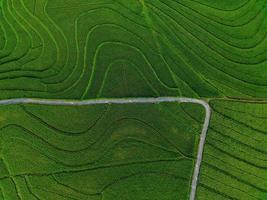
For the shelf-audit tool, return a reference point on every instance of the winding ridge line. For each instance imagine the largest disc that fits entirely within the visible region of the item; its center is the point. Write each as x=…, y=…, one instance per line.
x=137, y=100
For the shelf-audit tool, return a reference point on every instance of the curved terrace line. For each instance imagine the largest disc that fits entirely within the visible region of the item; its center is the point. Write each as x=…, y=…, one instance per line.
x=138, y=100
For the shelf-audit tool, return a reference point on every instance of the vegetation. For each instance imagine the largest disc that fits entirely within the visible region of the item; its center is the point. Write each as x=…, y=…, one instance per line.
x=234, y=165
x=89, y=49
x=105, y=48
x=144, y=151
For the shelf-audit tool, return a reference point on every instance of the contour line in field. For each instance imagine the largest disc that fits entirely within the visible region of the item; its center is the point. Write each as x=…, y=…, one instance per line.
x=137, y=100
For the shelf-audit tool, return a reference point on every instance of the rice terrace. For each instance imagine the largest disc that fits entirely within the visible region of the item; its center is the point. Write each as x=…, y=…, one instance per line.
x=133, y=99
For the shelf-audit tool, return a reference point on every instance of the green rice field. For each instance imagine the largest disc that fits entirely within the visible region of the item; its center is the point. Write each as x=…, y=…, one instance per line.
x=209, y=54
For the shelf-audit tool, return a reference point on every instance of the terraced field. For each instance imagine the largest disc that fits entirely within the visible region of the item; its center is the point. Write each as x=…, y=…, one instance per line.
x=105, y=48
x=234, y=165
x=62, y=52
x=100, y=152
